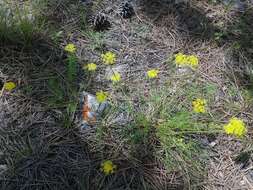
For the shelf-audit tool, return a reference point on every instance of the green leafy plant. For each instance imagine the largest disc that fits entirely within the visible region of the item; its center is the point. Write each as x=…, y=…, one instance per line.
x=176, y=134
x=140, y=129
x=71, y=68
x=64, y=92
x=56, y=90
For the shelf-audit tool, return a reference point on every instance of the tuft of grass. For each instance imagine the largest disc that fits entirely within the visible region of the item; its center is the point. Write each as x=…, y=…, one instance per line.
x=179, y=132
x=138, y=132
x=56, y=90
x=64, y=92
x=182, y=149
x=96, y=40
x=165, y=126
x=21, y=21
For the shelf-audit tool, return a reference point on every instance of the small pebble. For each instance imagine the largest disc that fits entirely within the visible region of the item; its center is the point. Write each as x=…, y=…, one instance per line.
x=242, y=182
x=212, y=144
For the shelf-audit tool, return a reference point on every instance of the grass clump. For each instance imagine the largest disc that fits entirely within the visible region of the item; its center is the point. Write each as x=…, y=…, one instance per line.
x=166, y=127
x=139, y=131
x=21, y=21
x=181, y=147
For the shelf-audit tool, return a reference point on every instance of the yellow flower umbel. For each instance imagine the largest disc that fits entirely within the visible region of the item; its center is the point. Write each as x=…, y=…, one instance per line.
x=71, y=48
x=101, y=96
x=153, y=73
x=107, y=167
x=109, y=58
x=186, y=60
x=116, y=77
x=193, y=61
x=235, y=127
x=9, y=86
x=91, y=67
x=180, y=59
x=199, y=105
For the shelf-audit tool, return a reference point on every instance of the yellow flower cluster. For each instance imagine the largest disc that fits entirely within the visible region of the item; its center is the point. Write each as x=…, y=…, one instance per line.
x=91, y=67
x=9, y=86
x=153, y=73
x=107, y=167
x=186, y=60
x=71, y=48
x=109, y=58
x=101, y=96
x=235, y=127
x=199, y=105
x=115, y=77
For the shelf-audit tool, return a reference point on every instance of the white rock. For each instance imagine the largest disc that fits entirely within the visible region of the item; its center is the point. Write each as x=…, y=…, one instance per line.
x=91, y=109
x=212, y=144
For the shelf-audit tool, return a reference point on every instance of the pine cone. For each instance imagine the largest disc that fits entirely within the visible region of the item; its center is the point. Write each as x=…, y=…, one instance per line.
x=101, y=22
x=126, y=10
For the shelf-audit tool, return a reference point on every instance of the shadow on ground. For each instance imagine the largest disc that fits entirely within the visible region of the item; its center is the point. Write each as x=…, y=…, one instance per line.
x=240, y=34
x=187, y=19
x=194, y=24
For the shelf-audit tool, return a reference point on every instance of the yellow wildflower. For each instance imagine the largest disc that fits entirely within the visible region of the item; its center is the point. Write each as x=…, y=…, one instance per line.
x=101, y=96
x=109, y=58
x=71, y=48
x=108, y=167
x=152, y=73
x=180, y=59
x=91, y=67
x=235, y=127
x=116, y=77
x=193, y=61
x=199, y=105
x=186, y=60
x=9, y=86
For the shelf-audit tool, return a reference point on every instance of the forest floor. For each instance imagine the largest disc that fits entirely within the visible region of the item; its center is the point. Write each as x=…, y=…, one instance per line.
x=149, y=131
